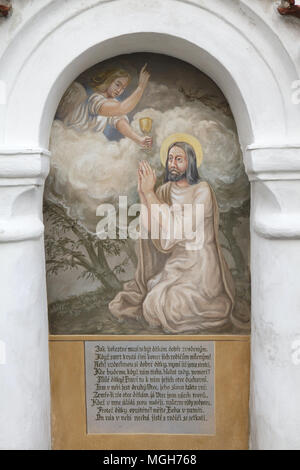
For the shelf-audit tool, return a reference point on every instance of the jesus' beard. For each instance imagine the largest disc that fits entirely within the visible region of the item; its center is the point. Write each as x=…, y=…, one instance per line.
x=176, y=176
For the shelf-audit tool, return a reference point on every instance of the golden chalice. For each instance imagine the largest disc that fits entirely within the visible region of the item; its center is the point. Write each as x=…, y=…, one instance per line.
x=146, y=127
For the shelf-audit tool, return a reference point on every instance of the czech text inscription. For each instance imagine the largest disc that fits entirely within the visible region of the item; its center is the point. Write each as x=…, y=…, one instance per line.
x=150, y=387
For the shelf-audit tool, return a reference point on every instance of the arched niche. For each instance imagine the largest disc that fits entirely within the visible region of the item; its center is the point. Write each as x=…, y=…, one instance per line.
x=244, y=55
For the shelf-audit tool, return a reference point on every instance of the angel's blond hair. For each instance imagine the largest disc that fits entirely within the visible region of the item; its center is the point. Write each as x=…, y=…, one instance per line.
x=102, y=80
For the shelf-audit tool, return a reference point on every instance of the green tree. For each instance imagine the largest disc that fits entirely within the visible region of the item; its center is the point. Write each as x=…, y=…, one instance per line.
x=70, y=246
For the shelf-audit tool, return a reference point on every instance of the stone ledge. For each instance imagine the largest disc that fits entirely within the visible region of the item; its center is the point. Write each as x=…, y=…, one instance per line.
x=23, y=166
x=263, y=162
x=278, y=226
x=272, y=162
x=20, y=228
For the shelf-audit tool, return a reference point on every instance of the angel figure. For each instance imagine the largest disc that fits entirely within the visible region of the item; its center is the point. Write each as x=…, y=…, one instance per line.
x=81, y=112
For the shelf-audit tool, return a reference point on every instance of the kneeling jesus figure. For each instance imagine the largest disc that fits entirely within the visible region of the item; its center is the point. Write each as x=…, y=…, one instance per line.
x=182, y=283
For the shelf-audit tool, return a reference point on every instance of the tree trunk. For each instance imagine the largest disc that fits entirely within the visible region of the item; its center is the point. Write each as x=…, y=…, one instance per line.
x=104, y=273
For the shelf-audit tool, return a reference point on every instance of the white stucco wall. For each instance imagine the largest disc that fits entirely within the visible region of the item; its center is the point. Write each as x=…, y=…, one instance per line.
x=252, y=53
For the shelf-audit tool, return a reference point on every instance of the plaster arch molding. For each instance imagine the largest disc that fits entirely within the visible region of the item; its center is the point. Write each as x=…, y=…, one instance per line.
x=245, y=56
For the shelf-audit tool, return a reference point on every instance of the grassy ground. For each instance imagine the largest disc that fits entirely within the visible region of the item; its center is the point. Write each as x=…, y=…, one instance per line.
x=89, y=314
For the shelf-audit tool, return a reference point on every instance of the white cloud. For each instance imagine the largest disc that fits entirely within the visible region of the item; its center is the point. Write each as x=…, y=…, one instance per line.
x=88, y=169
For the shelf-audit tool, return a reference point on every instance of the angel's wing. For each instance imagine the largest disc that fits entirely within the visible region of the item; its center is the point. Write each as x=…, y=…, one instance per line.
x=72, y=98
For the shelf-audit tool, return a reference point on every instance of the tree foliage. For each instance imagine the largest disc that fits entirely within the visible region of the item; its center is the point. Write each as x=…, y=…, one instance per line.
x=70, y=246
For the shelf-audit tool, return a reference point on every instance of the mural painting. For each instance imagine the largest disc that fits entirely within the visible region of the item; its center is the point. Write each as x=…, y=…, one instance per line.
x=147, y=204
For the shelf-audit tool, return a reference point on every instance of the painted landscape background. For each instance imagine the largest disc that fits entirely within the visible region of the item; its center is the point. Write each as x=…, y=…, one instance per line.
x=90, y=168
